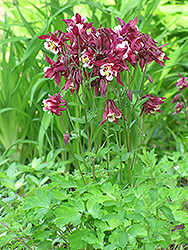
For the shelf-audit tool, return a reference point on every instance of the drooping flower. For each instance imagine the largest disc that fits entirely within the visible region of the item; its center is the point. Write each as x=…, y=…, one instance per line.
x=182, y=83
x=55, y=104
x=77, y=78
x=55, y=70
x=112, y=113
x=152, y=104
x=176, y=98
x=178, y=108
x=66, y=137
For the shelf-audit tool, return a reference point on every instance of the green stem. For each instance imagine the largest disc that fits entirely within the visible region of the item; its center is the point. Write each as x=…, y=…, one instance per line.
x=74, y=153
x=85, y=112
x=157, y=213
x=121, y=167
x=142, y=131
x=89, y=143
x=77, y=163
x=133, y=77
x=108, y=145
x=142, y=83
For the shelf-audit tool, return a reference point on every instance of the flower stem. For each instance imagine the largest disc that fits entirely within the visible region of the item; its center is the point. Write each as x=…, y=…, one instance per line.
x=138, y=97
x=121, y=167
x=108, y=145
x=73, y=150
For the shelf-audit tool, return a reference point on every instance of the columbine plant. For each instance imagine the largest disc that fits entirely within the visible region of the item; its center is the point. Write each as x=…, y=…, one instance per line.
x=101, y=60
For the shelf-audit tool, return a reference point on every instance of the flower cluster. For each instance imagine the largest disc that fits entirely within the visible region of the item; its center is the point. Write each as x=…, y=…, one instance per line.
x=95, y=57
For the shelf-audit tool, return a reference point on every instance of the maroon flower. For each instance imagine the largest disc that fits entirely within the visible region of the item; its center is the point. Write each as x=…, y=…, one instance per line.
x=54, y=42
x=54, y=104
x=55, y=70
x=151, y=52
x=77, y=78
x=182, y=83
x=152, y=104
x=112, y=113
x=178, y=108
x=66, y=138
x=176, y=98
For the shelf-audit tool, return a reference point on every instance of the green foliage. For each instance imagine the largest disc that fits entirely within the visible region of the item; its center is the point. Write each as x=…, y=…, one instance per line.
x=63, y=212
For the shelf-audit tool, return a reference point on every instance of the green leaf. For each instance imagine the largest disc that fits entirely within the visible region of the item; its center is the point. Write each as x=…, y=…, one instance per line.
x=79, y=120
x=167, y=212
x=46, y=120
x=94, y=208
x=40, y=212
x=3, y=175
x=42, y=235
x=137, y=229
x=90, y=238
x=58, y=195
x=111, y=247
x=33, y=90
x=41, y=199
x=65, y=215
x=102, y=152
x=128, y=198
x=77, y=203
x=122, y=238
x=76, y=239
x=14, y=39
x=63, y=182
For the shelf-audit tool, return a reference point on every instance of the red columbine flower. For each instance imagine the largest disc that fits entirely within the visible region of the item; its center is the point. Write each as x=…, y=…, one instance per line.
x=55, y=70
x=54, y=104
x=176, y=98
x=66, y=137
x=53, y=41
x=182, y=82
x=112, y=113
x=178, y=108
x=152, y=104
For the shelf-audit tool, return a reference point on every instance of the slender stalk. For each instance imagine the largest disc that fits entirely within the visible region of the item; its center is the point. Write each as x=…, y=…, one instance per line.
x=85, y=111
x=142, y=83
x=114, y=91
x=185, y=107
x=78, y=136
x=157, y=213
x=133, y=77
x=127, y=135
x=77, y=163
x=121, y=167
x=142, y=131
x=89, y=143
x=108, y=145
x=74, y=154
x=32, y=243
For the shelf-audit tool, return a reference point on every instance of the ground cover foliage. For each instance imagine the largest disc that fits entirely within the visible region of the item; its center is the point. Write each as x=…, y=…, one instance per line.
x=111, y=186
